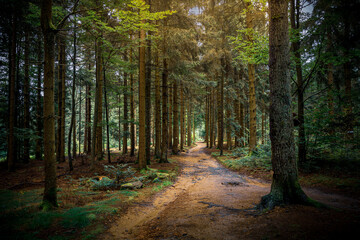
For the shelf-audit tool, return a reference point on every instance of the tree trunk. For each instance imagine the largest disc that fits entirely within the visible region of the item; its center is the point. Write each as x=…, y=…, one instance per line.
x=182, y=112
x=126, y=123
x=175, y=146
x=26, y=156
x=188, y=123
x=148, y=97
x=38, y=149
x=252, y=95
x=170, y=100
x=165, y=117
x=157, y=107
x=300, y=85
x=285, y=188
x=207, y=118
x=142, y=104
x=132, y=110
x=221, y=109
x=60, y=154
x=348, y=110
x=50, y=196
x=72, y=124
x=96, y=147
x=11, y=155
x=107, y=119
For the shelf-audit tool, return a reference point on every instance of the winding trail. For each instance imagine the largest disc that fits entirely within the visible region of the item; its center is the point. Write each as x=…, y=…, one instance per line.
x=209, y=201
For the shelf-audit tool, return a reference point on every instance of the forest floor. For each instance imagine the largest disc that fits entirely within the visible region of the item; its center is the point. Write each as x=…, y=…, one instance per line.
x=199, y=199
x=208, y=201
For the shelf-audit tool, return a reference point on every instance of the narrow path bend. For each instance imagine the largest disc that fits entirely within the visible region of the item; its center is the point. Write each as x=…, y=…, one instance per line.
x=209, y=201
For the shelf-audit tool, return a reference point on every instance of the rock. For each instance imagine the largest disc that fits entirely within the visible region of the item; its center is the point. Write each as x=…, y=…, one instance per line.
x=132, y=185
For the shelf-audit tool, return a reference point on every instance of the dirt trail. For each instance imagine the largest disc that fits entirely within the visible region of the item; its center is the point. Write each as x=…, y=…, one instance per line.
x=210, y=202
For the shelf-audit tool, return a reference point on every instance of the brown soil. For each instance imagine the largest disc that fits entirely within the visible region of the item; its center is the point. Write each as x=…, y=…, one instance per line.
x=209, y=201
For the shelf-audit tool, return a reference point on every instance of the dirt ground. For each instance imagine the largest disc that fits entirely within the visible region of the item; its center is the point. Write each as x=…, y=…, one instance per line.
x=209, y=201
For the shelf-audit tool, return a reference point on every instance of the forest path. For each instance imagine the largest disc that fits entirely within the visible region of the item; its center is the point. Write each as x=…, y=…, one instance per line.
x=209, y=201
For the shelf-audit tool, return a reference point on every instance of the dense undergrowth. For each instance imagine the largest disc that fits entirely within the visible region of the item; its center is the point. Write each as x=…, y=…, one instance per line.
x=335, y=169
x=85, y=204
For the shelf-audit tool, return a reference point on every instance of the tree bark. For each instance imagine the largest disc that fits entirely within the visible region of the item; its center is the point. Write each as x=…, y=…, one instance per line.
x=294, y=18
x=132, y=110
x=142, y=104
x=107, y=119
x=148, y=96
x=11, y=155
x=50, y=196
x=170, y=101
x=165, y=117
x=285, y=188
x=175, y=146
x=157, y=107
x=221, y=108
x=126, y=123
x=182, y=112
x=96, y=147
x=26, y=157
x=252, y=95
x=38, y=148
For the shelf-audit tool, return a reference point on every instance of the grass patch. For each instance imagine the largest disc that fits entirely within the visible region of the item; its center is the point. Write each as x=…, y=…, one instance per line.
x=161, y=185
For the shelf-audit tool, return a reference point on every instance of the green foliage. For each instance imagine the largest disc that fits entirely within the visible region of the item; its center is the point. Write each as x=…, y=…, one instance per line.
x=162, y=185
x=251, y=46
x=138, y=17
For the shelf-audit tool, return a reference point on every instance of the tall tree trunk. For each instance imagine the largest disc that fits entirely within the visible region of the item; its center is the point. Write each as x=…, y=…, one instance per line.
x=207, y=119
x=142, y=104
x=60, y=155
x=50, y=196
x=119, y=117
x=170, y=101
x=11, y=155
x=188, y=123
x=237, y=109
x=148, y=96
x=285, y=188
x=132, y=110
x=73, y=114
x=26, y=156
x=221, y=108
x=126, y=123
x=88, y=119
x=212, y=118
x=96, y=147
x=79, y=129
x=252, y=95
x=330, y=77
x=349, y=119
x=157, y=107
x=165, y=116
x=182, y=112
x=175, y=146
x=107, y=119
x=242, y=125
x=87, y=137
x=294, y=18
x=38, y=148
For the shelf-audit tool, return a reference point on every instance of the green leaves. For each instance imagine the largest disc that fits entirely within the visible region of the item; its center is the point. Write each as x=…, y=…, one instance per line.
x=252, y=46
x=138, y=17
